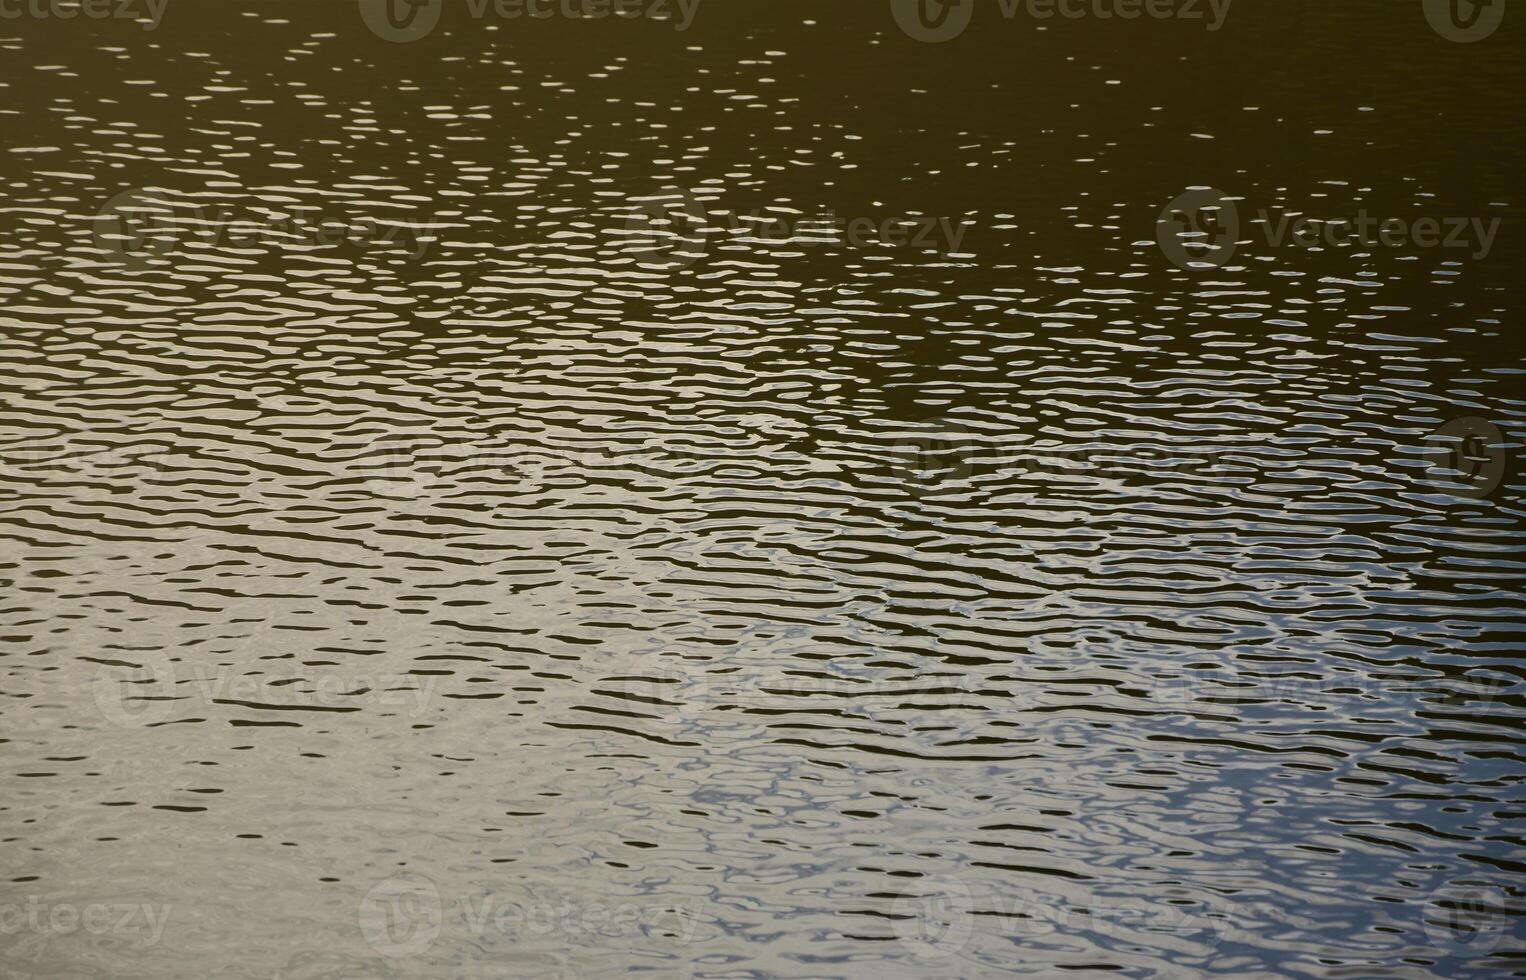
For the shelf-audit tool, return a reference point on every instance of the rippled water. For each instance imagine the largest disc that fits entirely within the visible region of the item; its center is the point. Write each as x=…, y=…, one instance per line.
x=506, y=504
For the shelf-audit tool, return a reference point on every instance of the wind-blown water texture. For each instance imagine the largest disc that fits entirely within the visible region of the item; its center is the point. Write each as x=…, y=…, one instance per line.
x=491, y=589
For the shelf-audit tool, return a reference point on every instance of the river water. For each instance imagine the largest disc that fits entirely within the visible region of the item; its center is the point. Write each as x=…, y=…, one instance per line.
x=746, y=491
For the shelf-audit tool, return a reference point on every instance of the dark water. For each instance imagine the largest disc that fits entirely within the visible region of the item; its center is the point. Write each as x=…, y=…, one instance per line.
x=503, y=504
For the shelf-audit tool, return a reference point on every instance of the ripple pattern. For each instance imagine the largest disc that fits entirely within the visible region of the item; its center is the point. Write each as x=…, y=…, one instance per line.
x=476, y=506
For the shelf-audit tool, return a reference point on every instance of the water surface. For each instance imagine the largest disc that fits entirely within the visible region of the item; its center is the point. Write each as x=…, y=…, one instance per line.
x=421, y=561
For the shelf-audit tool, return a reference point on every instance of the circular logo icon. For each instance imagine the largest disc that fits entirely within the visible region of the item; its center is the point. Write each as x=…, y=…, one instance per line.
x=934, y=917
x=1465, y=21
x=407, y=472
x=134, y=227
x=402, y=915
x=401, y=21
x=1177, y=692
x=933, y=21
x=1198, y=229
x=938, y=453
x=666, y=231
x=1470, y=457
x=138, y=696
x=1468, y=917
